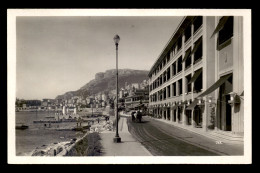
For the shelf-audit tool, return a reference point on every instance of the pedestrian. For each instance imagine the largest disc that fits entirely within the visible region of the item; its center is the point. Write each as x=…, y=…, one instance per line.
x=133, y=116
x=98, y=120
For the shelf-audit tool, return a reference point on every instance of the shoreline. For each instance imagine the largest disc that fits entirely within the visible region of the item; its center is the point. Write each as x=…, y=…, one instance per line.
x=64, y=147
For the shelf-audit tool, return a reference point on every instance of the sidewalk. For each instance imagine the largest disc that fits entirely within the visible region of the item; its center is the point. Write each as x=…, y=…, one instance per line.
x=128, y=146
x=211, y=141
x=208, y=134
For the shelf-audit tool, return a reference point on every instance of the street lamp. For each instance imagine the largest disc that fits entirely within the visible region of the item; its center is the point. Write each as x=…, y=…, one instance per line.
x=117, y=139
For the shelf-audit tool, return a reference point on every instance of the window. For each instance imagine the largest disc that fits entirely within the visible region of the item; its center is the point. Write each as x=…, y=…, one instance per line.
x=180, y=86
x=198, y=83
x=169, y=91
x=174, y=115
x=168, y=57
x=164, y=93
x=179, y=43
x=197, y=23
x=179, y=64
x=164, y=62
x=198, y=52
x=188, y=87
x=168, y=73
x=174, y=89
x=173, y=50
x=188, y=59
x=174, y=68
x=164, y=76
x=227, y=31
x=187, y=33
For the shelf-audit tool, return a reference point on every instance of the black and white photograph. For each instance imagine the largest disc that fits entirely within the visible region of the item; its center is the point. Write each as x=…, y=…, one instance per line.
x=129, y=86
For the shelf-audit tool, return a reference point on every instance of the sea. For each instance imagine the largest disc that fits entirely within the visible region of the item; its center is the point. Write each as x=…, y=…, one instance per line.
x=38, y=135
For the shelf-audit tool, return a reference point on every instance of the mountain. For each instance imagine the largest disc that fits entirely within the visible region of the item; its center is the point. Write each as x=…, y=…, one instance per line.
x=106, y=81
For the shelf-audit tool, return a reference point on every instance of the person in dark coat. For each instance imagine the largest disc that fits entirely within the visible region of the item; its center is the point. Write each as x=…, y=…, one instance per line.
x=133, y=116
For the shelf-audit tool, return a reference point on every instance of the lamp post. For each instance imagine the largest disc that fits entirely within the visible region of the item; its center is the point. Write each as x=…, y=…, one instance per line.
x=117, y=139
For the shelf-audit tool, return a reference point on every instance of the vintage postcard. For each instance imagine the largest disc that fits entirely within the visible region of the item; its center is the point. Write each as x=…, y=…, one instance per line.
x=129, y=86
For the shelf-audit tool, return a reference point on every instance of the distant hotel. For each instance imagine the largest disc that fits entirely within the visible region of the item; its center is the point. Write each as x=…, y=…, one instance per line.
x=198, y=79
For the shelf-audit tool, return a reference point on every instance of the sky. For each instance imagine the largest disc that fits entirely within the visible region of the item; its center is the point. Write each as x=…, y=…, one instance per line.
x=55, y=55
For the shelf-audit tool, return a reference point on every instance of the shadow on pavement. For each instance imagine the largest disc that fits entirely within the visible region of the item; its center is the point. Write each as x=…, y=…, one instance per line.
x=141, y=122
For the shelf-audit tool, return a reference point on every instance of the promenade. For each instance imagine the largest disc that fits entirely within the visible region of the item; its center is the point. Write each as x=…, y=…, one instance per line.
x=128, y=146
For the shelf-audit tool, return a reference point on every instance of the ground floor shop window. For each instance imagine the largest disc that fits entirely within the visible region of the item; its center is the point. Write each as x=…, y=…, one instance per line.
x=198, y=116
x=188, y=115
x=179, y=114
x=174, y=115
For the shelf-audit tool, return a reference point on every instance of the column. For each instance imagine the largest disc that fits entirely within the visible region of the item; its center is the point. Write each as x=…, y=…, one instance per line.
x=183, y=83
x=192, y=118
x=204, y=108
x=171, y=112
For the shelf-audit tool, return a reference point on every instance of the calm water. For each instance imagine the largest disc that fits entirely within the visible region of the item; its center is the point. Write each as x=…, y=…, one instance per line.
x=37, y=135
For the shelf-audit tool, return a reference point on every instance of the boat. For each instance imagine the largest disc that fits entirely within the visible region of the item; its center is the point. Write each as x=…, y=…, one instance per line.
x=46, y=121
x=21, y=127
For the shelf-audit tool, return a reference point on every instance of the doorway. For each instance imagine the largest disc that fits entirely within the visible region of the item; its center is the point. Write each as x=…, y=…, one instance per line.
x=197, y=116
x=188, y=115
x=168, y=113
x=225, y=109
x=179, y=114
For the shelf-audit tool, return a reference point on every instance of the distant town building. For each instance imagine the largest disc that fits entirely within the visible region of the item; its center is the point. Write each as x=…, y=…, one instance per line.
x=104, y=97
x=121, y=94
x=138, y=97
x=135, y=85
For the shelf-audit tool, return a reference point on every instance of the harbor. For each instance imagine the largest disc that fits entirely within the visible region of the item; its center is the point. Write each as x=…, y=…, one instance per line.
x=56, y=127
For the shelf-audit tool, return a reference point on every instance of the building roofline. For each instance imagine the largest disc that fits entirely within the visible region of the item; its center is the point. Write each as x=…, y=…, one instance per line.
x=182, y=25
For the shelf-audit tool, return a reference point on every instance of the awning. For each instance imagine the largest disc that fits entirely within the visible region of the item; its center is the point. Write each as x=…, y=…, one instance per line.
x=196, y=45
x=215, y=85
x=195, y=76
x=192, y=105
x=186, y=55
x=220, y=25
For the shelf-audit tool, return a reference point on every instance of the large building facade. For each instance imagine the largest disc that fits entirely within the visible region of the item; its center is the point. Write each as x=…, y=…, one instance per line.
x=198, y=79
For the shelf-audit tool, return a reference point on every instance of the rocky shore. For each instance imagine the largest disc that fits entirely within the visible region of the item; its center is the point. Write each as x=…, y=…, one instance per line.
x=88, y=145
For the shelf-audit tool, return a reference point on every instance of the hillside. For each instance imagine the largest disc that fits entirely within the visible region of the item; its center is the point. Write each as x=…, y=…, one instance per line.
x=106, y=81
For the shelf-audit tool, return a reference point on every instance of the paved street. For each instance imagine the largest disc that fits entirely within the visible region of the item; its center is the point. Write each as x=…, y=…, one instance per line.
x=162, y=139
